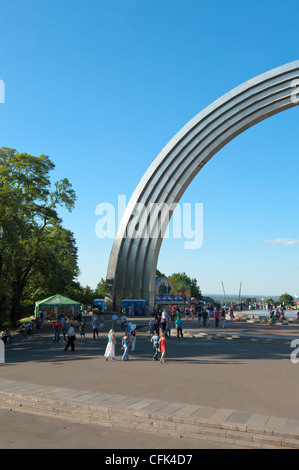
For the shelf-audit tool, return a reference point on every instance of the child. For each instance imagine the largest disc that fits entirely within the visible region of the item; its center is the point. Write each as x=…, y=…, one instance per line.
x=82, y=328
x=155, y=340
x=125, y=347
x=162, y=347
x=151, y=328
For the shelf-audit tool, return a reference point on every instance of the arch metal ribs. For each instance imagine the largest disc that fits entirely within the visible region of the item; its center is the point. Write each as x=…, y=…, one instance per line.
x=133, y=259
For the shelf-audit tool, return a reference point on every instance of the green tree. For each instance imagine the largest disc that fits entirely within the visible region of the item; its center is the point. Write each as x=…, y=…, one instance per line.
x=285, y=299
x=270, y=301
x=56, y=266
x=159, y=274
x=183, y=277
x=82, y=294
x=29, y=222
x=100, y=290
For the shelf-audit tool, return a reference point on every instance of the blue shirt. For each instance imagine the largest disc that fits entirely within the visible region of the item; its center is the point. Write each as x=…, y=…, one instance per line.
x=155, y=340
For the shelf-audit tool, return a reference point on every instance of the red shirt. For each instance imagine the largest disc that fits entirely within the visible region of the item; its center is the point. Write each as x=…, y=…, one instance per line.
x=162, y=344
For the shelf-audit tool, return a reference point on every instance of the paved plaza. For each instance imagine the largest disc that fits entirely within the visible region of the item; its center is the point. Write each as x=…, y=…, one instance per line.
x=239, y=375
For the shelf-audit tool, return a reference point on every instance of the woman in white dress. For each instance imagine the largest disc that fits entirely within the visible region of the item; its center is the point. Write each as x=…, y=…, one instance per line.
x=110, y=348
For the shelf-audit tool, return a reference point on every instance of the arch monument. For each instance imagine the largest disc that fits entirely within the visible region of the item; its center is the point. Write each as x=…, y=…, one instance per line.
x=134, y=255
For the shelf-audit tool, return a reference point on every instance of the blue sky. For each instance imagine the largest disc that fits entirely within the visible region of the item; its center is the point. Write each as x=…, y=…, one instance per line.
x=102, y=86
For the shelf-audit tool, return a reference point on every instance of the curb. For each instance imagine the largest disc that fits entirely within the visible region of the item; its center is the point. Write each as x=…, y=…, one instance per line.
x=149, y=415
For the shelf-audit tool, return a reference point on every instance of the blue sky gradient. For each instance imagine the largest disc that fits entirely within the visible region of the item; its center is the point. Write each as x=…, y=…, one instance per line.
x=101, y=87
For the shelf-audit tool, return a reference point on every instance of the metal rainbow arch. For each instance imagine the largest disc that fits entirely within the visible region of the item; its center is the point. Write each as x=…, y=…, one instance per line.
x=134, y=255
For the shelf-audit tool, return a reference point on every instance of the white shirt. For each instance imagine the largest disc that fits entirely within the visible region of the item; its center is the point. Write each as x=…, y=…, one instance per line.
x=71, y=331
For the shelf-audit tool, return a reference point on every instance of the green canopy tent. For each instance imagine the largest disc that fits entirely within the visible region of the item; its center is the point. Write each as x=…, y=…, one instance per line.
x=55, y=301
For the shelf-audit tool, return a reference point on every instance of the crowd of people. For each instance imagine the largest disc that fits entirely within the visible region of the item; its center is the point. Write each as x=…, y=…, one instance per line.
x=64, y=327
x=161, y=327
x=166, y=323
x=204, y=312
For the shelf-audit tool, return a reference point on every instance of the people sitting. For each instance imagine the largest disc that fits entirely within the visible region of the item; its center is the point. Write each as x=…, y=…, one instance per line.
x=25, y=329
x=6, y=336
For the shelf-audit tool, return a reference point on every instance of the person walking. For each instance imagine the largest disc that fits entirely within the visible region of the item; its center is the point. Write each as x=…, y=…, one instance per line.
x=208, y=314
x=157, y=326
x=163, y=320
x=125, y=346
x=102, y=323
x=133, y=337
x=56, y=328
x=70, y=338
x=151, y=328
x=95, y=326
x=114, y=321
x=123, y=321
x=204, y=318
x=43, y=317
x=110, y=348
x=217, y=316
x=155, y=340
x=187, y=313
x=162, y=347
x=223, y=317
x=179, y=327
x=82, y=327
x=65, y=328
x=168, y=328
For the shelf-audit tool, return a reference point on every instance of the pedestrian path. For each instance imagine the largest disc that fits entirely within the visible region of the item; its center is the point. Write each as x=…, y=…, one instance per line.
x=148, y=415
x=40, y=390
x=237, y=336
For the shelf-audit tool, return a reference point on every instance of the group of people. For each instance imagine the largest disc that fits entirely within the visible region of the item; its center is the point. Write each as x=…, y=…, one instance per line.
x=207, y=313
x=165, y=321
x=63, y=325
x=160, y=329
x=277, y=315
x=171, y=317
x=128, y=342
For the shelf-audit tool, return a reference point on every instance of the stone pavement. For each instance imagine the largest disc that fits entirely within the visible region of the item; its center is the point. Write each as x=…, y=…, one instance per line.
x=188, y=396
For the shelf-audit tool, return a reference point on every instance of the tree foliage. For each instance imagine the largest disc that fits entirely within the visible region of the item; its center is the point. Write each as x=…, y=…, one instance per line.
x=37, y=255
x=183, y=277
x=285, y=299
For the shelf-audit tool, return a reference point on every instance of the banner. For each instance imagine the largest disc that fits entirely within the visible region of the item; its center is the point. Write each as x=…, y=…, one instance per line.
x=168, y=291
